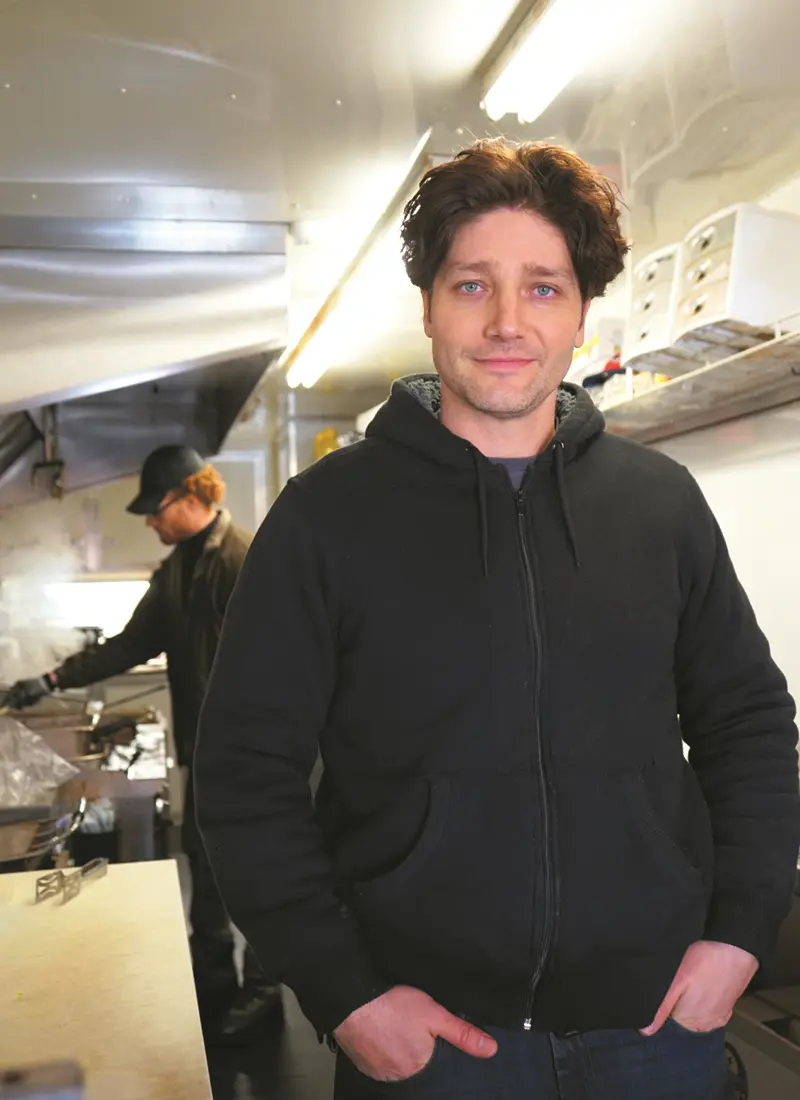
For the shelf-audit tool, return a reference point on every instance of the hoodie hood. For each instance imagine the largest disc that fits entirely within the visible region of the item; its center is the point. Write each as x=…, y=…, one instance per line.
x=411, y=418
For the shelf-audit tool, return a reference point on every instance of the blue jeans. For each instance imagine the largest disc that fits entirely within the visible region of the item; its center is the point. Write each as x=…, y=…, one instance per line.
x=599, y=1065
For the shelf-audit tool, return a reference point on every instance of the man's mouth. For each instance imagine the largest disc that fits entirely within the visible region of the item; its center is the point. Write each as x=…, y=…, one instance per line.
x=504, y=364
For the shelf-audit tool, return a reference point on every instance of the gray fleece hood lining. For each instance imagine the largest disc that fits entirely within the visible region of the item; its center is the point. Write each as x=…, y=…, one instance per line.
x=426, y=389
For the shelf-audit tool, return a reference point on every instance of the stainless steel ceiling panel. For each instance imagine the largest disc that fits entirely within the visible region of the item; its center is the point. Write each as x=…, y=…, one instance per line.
x=142, y=235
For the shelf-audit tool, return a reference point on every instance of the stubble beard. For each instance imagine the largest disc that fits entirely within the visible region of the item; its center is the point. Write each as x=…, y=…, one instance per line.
x=501, y=404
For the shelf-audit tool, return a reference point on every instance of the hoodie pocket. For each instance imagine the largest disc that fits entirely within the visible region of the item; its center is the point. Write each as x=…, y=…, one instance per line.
x=428, y=840
x=672, y=859
x=627, y=887
x=464, y=893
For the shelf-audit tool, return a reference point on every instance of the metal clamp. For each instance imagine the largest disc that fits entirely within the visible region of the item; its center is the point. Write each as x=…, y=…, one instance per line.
x=69, y=886
x=49, y=886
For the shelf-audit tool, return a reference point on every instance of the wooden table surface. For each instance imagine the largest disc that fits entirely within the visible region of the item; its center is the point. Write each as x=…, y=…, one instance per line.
x=106, y=981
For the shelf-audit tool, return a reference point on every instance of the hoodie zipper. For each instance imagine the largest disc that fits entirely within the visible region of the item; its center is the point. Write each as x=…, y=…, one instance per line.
x=546, y=814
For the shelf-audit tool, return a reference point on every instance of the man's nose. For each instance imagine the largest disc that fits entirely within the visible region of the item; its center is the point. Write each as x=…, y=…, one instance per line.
x=505, y=322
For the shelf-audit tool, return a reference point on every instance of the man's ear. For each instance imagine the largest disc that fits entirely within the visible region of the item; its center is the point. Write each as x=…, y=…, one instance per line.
x=426, y=311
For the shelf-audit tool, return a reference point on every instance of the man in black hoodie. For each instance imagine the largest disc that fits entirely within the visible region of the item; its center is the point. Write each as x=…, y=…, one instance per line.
x=500, y=625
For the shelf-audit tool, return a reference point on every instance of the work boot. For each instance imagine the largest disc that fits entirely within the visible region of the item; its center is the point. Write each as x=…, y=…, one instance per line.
x=255, y=1009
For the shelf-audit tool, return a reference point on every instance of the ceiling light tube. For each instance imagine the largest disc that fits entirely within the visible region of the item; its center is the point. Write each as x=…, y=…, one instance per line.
x=312, y=355
x=557, y=47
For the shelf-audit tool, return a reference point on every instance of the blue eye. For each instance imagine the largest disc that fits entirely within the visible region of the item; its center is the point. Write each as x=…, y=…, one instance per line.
x=545, y=292
x=470, y=287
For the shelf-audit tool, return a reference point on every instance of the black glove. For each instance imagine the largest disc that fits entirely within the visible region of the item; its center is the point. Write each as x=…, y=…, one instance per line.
x=26, y=693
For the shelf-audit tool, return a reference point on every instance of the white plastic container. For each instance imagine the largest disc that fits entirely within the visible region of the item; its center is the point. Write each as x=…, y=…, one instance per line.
x=740, y=270
x=655, y=285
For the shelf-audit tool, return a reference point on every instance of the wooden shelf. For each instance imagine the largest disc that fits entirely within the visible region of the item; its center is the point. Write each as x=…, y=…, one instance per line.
x=750, y=381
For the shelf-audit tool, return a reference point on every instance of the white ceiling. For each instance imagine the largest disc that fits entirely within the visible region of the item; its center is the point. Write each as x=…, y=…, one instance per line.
x=301, y=113
x=324, y=89
x=305, y=113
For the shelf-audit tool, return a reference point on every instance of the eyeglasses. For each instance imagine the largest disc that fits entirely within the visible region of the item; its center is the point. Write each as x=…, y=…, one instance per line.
x=163, y=507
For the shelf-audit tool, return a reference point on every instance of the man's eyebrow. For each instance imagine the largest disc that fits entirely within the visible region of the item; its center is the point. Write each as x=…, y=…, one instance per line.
x=538, y=271
x=542, y=272
x=481, y=267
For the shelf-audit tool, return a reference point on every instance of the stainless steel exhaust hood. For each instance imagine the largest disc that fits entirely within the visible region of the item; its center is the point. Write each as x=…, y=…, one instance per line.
x=90, y=440
x=120, y=335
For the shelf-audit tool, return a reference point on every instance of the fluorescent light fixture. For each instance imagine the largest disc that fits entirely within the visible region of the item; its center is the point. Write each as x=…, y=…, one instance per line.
x=309, y=367
x=361, y=313
x=355, y=311
x=559, y=45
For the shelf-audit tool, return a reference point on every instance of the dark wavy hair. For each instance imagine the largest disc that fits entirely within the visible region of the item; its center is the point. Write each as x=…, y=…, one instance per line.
x=495, y=174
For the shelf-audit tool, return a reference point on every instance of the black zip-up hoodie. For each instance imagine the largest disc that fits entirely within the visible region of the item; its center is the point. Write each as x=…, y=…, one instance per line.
x=499, y=683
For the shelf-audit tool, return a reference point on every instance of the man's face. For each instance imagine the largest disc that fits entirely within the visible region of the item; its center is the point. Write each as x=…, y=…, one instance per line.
x=505, y=314
x=173, y=522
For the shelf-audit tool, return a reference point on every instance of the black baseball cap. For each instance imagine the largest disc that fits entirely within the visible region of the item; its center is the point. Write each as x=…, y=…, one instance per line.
x=164, y=470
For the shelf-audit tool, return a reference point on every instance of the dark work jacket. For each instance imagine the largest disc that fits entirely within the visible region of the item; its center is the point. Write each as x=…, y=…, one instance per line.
x=186, y=629
x=501, y=684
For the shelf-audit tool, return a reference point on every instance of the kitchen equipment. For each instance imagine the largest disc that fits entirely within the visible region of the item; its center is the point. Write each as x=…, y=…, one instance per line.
x=32, y=834
x=69, y=885
x=122, y=760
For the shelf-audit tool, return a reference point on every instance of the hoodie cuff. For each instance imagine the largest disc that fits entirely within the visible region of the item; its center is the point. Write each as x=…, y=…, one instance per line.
x=331, y=974
x=743, y=922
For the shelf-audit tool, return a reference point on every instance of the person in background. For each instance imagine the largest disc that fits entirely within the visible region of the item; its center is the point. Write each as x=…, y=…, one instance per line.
x=181, y=615
x=501, y=624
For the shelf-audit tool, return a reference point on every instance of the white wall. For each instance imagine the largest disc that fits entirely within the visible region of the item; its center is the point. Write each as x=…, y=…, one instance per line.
x=750, y=473
x=93, y=522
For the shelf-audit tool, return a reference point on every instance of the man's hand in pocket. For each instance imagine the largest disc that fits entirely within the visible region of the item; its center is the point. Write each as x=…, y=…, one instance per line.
x=709, y=982
x=394, y=1037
